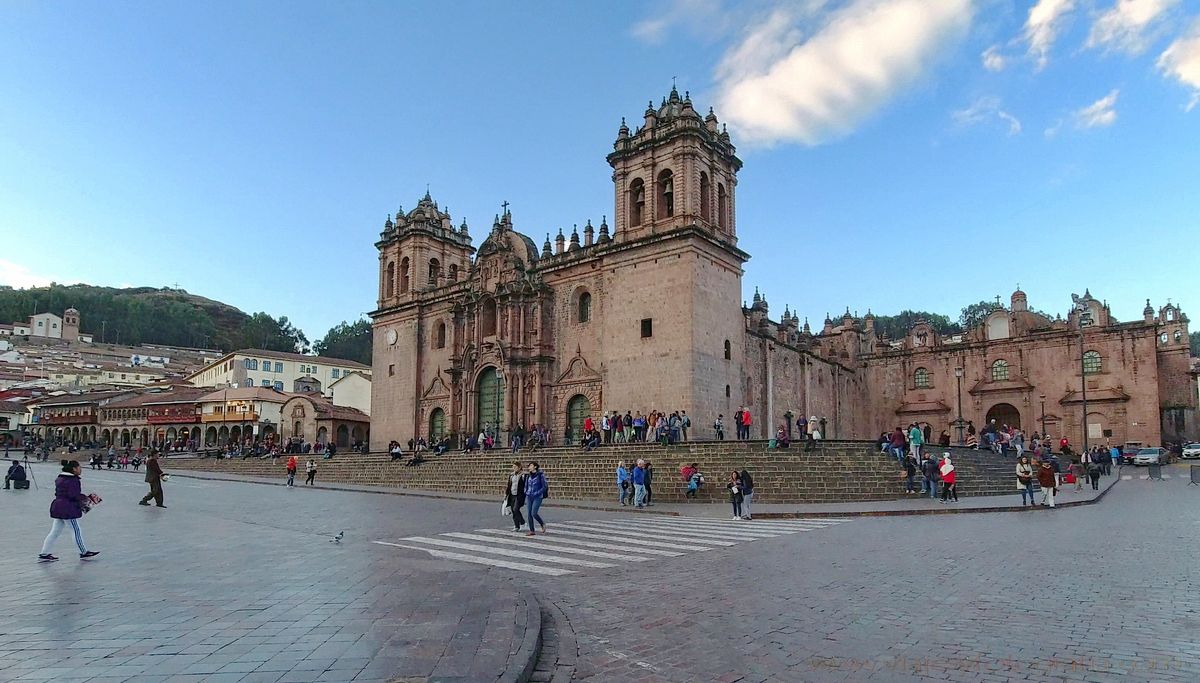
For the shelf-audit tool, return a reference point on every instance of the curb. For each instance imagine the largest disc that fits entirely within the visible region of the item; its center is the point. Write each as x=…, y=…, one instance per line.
x=524, y=658
x=938, y=511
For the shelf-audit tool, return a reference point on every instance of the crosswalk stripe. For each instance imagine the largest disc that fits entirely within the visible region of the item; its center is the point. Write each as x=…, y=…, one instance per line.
x=505, y=551
x=557, y=538
x=490, y=561
x=611, y=527
x=746, y=529
x=537, y=543
x=586, y=532
x=680, y=532
x=759, y=523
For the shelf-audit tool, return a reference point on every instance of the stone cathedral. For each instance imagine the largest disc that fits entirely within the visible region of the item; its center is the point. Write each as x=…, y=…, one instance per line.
x=647, y=315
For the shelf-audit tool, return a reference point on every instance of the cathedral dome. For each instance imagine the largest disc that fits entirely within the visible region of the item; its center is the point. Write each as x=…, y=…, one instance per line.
x=504, y=239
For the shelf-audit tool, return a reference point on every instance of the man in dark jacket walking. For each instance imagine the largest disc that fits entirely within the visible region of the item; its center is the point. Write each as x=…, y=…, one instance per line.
x=154, y=478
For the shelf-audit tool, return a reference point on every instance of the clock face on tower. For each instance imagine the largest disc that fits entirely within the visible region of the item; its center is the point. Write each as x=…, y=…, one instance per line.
x=391, y=337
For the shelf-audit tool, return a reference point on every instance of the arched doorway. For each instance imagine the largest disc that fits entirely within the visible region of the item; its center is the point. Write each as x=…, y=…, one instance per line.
x=196, y=436
x=223, y=436
x=210, y=436
x=357, y=434
x=106, y=437
x=343, y=436
x=1004, y=414
x=578, y=409
x=297, y=430
x=437, y=425
x=125, y=439
x=323, y=435
x=235, y=435
x=489, y=399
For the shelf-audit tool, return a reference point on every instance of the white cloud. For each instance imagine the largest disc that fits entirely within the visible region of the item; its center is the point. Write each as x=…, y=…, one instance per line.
x=695, y=15
x=1042, y=26
x=20, y=276
x=983, y=110
x=1098, y=114
x=1127, y=26
x=1181, y=61
x=993, y=60
x=779, y=84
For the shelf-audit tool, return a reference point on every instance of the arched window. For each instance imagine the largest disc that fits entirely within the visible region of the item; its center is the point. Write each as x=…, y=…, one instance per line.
x=452, y=273
x=728, y=350
x=487, y=318
x=390, y=288
x=404, y=275
x=1178, y=336
x=705, y=209
x=666, y=194
x=439, y=336
x=726, y=391
x=722, y=207
x=1092, y=363
x=489, y=394
x=585, y=307
x=1000, y=371
x=921, y=378
x=435, y=271
x=637, y=201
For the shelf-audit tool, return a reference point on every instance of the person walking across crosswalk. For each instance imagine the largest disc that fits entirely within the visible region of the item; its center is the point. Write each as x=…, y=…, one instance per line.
x=535, y=490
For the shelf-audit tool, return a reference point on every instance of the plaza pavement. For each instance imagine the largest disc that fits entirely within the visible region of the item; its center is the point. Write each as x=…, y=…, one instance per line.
x=238, y=581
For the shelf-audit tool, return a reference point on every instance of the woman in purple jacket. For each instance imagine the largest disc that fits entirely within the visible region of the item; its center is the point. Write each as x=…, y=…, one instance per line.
x=67, y=508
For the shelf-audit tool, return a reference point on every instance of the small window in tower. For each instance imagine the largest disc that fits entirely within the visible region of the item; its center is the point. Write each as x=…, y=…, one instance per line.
x=391, y=370
x=637, y=201
x=726, y=391
x=666, y=194
x=1178, y=336
x=705, y=209
x=722, y=207
x=585, y=307
x=439, y=336
x=728, y=350
x=390, y=288
x=404, y=275
x=647, y=328
x=452, y=273
x=435, y=271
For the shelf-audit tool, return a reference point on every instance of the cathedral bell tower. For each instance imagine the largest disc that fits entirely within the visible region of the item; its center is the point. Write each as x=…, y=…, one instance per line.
x=678, y=169
x=420, y=251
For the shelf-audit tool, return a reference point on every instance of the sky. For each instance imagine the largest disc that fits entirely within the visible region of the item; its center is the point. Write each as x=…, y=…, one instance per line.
x=899, y=154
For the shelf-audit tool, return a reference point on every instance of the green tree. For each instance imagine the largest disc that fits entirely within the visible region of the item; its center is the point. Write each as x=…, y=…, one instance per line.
x=265, y=332
x=972, y=316
x=1194, y=340
x=897, y=326
x=350, y=341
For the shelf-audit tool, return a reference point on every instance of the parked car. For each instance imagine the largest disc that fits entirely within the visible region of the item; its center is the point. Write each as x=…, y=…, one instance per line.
x=1191, y=450
x=1130, y=450
x=1152, y=456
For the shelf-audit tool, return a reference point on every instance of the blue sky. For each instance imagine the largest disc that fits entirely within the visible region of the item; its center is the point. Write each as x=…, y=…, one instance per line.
x=898, y=153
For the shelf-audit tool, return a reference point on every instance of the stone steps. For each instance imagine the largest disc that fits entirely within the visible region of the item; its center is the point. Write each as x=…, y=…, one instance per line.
x=835, y=472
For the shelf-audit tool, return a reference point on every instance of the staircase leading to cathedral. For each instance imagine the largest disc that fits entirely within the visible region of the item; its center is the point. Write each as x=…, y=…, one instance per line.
x=837, y=471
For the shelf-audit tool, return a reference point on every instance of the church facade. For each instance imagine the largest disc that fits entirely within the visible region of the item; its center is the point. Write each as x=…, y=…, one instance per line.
x=647, y=315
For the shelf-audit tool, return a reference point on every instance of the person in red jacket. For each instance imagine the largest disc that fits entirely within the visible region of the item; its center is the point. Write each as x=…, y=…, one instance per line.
x=946, y=468
x=746, y=422
x=291, y=470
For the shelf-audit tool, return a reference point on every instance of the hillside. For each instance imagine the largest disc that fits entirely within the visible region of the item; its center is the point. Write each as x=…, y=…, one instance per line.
x=143, y=315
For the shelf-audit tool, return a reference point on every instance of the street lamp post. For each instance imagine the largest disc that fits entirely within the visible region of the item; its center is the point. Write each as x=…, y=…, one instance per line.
x=1043, y=398
x=1085, y=319
x=958, y=375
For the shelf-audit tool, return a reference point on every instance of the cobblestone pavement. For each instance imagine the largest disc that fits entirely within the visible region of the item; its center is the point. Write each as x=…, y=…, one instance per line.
x=239, y=582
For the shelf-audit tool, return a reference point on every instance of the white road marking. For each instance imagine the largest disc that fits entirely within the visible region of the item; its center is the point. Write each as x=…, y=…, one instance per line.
x=587, y=532
x=557, y=538
x=536, y=542
x=510, y=553
x=682, y=533
x=490, y=561
x=613, y=527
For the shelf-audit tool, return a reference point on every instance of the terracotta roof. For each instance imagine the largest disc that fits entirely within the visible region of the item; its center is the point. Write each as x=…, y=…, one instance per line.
x=246, y=394
x=11, y=407
x=71, y=399
x=327, y=410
